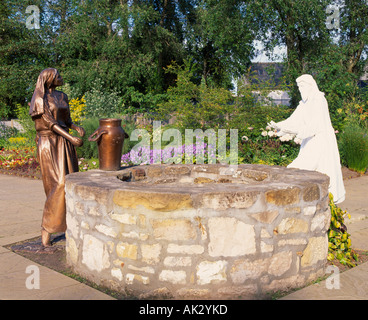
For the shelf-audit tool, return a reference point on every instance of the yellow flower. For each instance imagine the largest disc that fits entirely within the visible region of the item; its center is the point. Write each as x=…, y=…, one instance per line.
x=17, y=140
x=77, y=107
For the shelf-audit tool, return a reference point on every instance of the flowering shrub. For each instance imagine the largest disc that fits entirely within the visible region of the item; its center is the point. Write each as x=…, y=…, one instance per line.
x=200, y=153
x=339, y=241
x=77, y=109
x=17, y=140
x=263, y=148
x=22, y=161
x=87, y=164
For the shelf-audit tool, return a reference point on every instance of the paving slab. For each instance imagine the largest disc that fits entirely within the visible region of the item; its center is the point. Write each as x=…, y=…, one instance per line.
x=353, y=285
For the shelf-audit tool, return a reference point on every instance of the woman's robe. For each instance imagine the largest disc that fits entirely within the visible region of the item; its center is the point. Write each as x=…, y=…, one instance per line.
x=56, y=155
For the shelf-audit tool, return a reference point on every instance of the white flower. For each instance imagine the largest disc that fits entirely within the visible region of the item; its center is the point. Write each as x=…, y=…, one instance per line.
x=264, y=133
x=298, y=141
x=286, y=137
x=268, y=128
x=250, y=128
x=245, y=138
x=271, y=133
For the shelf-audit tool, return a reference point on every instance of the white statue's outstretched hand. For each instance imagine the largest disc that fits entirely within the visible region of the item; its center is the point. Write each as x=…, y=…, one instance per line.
x=272, y=124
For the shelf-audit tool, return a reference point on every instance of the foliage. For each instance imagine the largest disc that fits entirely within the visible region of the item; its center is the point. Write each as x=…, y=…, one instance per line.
x=353, y=145
x=269, y=151
x=101, y=102
x=89, y=149
x=87, y=164
x=187, y=98
x=27, y=124
x=5, y=133
x=339, y=242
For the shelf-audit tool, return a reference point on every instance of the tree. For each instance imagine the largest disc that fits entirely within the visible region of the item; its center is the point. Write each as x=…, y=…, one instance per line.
x=23, y=54
x=219, y=40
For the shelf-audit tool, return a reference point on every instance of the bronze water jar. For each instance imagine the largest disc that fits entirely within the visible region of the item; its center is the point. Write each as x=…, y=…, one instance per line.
x=110, y=139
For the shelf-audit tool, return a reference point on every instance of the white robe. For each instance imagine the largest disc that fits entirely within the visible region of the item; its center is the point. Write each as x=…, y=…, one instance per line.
x=318, y=151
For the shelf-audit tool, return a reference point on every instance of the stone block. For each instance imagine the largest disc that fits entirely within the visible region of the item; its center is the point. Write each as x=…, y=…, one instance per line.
x=116, y=273
x=73, y=226
x=71, y=250
x=230, y=237
x=283, y=197
x=280, y=263
x=173, y=261
x=130, y=278
x=174, y=277
x=201, y=180
x=85, y=192
x=310, y=210
x=142, y=269
x=185, y=249
x=315, y=251
x=292, y=225
x=151, y=253
x=95, y=254
x=254, y=175
x=243, y=270
x=106, y=230
x=266, y=247
x=154, y=171
x=124, y=218
x=240, y=292
x=311, y=193
x=93, y=211
x=176, y=170
x=211, y=272
x=266, y=216
x=226, y=200
x=173, y=229
x=126, y=250
x=189, y=293
x=152, y=201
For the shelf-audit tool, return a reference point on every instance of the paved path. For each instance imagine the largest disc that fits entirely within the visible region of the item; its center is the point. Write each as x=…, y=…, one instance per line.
x=21, y=203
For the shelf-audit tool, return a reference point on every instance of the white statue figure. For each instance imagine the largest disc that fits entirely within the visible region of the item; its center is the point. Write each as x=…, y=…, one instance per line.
x=312, y=125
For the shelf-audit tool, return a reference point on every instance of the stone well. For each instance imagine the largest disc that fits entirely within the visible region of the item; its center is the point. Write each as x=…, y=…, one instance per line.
x=198, y=231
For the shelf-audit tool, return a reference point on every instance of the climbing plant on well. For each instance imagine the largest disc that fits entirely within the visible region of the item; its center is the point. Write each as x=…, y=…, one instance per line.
x=339, y=242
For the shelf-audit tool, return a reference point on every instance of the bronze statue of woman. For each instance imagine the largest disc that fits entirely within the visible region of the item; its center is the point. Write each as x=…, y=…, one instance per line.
x=56, y=152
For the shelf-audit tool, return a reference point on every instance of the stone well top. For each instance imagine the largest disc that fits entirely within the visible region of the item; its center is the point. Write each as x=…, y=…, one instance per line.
x=198, y=231
x=173, y=187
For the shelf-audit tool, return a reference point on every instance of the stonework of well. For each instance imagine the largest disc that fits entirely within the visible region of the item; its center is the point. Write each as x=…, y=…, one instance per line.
x=198, y=231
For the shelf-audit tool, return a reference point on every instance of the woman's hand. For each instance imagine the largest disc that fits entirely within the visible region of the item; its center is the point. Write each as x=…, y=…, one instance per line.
x=80, y=131
x=76, y=141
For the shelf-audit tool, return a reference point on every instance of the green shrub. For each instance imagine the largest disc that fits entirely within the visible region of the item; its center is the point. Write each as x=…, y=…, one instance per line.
x=27, y=123
x=89, y=149
x=353, y=144
x=100, y=102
